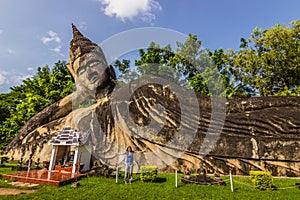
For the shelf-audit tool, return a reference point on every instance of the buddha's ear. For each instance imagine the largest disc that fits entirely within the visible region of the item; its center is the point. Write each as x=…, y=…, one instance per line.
x=70, y=68
x=112, y=72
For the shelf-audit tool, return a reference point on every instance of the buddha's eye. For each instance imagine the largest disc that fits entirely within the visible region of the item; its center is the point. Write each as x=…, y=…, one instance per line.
x=94, y=63
x=81, y=70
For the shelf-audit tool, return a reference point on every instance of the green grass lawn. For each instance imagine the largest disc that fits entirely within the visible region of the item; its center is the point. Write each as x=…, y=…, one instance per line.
x=163, y=188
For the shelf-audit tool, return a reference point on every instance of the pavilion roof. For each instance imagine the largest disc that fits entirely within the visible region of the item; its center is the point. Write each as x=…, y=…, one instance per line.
x=67, y=136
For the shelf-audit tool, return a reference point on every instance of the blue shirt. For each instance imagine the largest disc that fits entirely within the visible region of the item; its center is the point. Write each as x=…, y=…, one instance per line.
x=129, y=158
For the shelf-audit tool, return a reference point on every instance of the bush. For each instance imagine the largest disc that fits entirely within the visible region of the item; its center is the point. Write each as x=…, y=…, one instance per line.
x=148, y=173
x=3, y=159
x=262, y=180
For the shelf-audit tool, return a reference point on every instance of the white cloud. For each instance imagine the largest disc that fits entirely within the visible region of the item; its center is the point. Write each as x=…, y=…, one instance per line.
x=128, y=9
x=53, y=41
x=12, y=78
x=17, y=78
x=52, y=36
x=2, y=79
x=58, y=50
x=82, y=26
x=10, y=51
x=8, y=77
x=30, y=68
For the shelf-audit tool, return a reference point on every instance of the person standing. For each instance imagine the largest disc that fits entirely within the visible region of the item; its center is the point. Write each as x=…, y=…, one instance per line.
x=129, y=165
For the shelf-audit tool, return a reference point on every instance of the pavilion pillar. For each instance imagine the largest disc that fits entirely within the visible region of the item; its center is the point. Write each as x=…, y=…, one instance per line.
x=75, y=160
x=53, y=157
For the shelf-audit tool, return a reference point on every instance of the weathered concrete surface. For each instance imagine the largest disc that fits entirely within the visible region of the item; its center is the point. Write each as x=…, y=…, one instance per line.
x=258, y=133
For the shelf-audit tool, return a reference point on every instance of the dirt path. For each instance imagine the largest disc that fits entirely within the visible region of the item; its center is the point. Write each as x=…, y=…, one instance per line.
x=9, y=191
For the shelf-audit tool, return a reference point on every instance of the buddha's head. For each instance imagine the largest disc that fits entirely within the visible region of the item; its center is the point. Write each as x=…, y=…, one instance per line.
x=88, y=64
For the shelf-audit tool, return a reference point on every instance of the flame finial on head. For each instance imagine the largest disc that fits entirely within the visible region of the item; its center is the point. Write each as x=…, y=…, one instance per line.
x=76, y=32
x=79, y=46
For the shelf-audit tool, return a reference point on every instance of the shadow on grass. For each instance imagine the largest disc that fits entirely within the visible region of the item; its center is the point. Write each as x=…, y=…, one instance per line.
x=160, y=180
x=157, y=180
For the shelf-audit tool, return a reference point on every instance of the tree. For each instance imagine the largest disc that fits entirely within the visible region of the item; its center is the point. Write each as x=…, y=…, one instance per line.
x=190, y=58
x=127, y=74
x=200, y=67
x=189, y=65
x=223, y=62
x=24, y=101
x=6, y=103
x=268, y=62
x=154, y=60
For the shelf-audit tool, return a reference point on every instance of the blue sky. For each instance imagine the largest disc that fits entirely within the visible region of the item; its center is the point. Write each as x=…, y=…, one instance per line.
x=37, y=32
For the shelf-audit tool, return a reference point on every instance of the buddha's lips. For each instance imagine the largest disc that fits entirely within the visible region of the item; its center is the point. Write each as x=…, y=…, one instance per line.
x=94, y=77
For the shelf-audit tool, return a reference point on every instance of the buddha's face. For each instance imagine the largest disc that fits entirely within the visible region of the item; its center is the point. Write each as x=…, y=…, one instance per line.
x=91, y=70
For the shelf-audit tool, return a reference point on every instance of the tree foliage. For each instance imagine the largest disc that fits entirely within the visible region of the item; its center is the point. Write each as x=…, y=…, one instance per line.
x=154, y=60
x=265, y=64
x=268, y=62
x=34, y=94
x=189, y=65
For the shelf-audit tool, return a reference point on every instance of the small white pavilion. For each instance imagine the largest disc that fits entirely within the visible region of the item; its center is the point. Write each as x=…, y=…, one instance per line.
x=69, y=149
